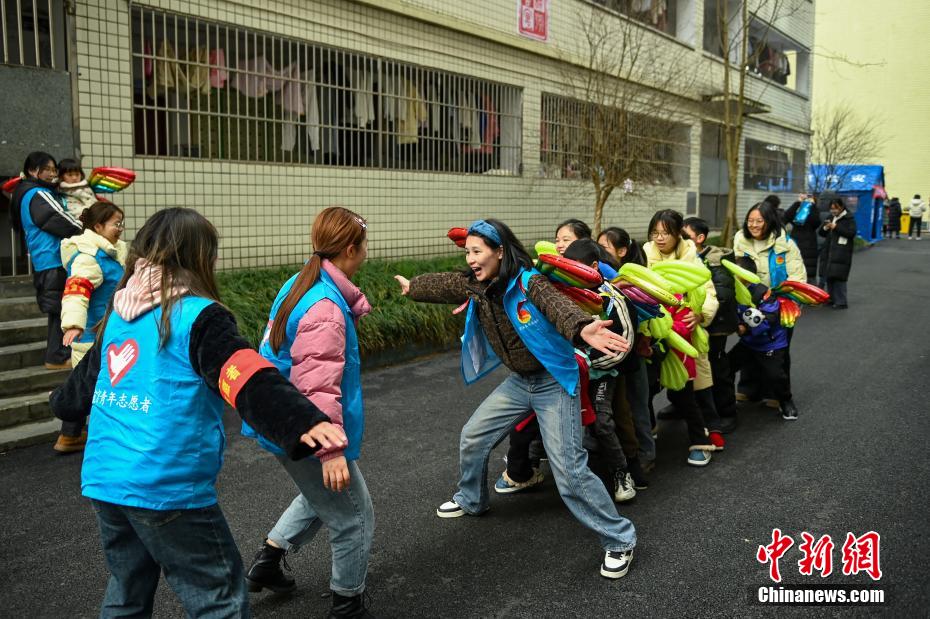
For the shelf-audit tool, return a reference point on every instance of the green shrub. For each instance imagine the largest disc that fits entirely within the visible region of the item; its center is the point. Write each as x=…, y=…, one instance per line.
x=394, y=322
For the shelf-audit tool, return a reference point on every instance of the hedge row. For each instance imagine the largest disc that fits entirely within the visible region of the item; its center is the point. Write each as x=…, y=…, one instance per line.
x=394, y=322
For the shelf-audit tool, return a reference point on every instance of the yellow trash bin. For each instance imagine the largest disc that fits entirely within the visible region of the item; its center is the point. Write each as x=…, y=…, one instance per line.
x=905, y=223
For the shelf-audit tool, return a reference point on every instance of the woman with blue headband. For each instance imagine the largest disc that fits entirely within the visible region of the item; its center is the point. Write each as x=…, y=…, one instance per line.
x=517, y=318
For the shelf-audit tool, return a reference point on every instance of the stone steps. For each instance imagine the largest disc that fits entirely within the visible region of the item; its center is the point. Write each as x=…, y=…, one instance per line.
x=19, y=308
x=27, y=434
x=23, y=331
x=21, y=355
x=33, y=379
x=25, y=416
x=19, y=286
x=22, y=409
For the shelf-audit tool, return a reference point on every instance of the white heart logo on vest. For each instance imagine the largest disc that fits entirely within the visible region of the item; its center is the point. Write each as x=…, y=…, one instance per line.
x=120, y=360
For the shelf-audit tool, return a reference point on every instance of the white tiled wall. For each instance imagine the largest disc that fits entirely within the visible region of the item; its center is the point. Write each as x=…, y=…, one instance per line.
x=264, y=211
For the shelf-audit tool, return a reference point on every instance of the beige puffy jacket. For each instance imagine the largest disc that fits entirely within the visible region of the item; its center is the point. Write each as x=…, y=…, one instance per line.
x=74, y=306
x=759, y=252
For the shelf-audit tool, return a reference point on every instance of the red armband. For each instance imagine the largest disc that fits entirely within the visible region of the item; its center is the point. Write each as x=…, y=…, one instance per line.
x=78, y=286
x=237, y=371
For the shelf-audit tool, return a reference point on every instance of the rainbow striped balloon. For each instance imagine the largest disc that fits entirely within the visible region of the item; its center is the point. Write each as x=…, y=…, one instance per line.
x=110, y=180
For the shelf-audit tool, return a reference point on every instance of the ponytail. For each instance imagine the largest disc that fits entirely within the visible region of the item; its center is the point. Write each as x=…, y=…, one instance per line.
x=304, y=282
x=334, y=229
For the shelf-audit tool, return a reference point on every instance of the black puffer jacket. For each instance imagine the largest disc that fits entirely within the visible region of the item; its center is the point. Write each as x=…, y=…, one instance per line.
x=836, y=256
x=894, y=215
x=726, y=319
x=805, y=235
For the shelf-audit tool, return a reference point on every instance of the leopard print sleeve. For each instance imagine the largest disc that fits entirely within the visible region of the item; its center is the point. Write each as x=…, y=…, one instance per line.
x=439, y=288
x=568, y=318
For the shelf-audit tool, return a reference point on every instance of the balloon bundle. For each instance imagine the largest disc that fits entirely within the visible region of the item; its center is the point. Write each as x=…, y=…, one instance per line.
x=670, y=287
x=791, y=294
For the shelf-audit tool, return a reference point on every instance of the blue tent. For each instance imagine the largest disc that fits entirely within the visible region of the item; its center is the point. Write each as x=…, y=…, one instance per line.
x=862, y=188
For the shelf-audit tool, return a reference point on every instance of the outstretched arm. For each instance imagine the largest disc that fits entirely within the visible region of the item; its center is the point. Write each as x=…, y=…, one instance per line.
x=260, y=394
x=435, y=287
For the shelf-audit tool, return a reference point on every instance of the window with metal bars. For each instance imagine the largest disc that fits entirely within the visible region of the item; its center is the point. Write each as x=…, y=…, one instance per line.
x=658, y=14
x=206, y=90
x=32, y=33
x=579, y=137
x=771, y=167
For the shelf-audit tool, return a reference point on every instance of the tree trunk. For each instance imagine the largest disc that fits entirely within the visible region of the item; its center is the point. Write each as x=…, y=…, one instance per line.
x=599, y=202
x=729, y=224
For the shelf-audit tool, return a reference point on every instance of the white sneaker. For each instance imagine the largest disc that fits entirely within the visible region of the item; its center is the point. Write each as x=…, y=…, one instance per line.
x=625, y=490
x=450, y=509
x=616, y=563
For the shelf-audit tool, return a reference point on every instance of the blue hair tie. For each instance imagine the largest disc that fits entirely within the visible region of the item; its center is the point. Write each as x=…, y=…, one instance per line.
x=486, y=230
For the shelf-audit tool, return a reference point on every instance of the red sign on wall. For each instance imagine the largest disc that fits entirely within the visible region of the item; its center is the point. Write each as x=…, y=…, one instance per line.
x=533, y=19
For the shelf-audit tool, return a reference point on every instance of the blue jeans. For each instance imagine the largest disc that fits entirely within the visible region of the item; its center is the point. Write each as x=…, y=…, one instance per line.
x=637, y=393
x=193, y=547
x=348, y=515
x=559, y=416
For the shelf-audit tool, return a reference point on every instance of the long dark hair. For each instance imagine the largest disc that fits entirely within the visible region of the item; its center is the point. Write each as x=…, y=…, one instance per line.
x=619, y=237
x=185, y=245
x=37, y=160
x=514, y=255
x=99, y=214
x=334, y=229
x=773, y=225
x=580, y=229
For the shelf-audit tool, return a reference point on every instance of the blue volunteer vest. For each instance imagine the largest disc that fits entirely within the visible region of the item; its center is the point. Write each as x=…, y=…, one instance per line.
x=353, y=415
x=155, y=438
x=778, y=267
x=44, y=248
x=97, y=306
x=539, y=336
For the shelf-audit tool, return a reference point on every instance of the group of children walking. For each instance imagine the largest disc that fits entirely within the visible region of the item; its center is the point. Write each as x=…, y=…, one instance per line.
x=156, y=355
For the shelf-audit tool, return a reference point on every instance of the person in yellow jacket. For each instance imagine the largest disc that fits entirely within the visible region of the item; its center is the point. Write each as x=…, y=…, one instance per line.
x=667, y=242
x=94, y=261
x=777, y=257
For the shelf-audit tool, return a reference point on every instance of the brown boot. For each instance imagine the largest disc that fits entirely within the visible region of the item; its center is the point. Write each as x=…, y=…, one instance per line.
x=70, y=444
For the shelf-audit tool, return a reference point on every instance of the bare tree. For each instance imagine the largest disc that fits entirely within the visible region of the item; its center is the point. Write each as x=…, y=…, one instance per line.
x=842, y=139
x=736, y=23
x=618, y=125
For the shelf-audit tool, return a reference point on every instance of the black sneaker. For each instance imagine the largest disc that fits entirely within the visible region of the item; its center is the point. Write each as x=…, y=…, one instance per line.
x=789, y=411
x=616, y=563
x=638, y=474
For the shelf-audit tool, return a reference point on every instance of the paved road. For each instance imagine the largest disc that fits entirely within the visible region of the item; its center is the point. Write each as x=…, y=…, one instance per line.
x=855, y=461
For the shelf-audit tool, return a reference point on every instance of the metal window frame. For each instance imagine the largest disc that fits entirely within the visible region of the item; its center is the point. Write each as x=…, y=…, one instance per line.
x=292, y=69
x=560, y=116
x=797, y=171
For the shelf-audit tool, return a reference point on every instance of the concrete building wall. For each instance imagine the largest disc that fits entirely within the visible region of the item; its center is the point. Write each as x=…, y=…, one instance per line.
x=888, y=55
x=264, y=210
